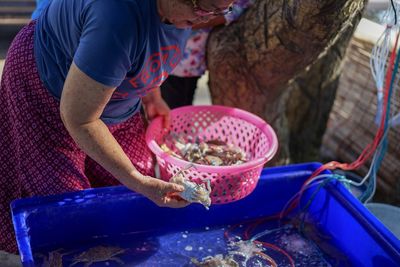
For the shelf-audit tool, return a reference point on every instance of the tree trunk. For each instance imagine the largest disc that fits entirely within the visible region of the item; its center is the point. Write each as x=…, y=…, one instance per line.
x=254, y=63
x=311, y=98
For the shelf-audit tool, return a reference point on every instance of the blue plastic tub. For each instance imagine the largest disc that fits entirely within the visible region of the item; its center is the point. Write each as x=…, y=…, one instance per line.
x=77, y=218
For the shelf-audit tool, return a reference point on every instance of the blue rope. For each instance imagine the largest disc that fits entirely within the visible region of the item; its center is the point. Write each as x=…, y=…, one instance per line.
x=383, y=146
x=304, y=210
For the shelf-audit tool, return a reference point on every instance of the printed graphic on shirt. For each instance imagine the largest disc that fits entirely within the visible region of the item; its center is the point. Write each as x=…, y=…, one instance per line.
x=154, y=72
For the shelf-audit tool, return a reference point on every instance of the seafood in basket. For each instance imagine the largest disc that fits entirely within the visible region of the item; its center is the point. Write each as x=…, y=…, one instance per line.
x=210, y=152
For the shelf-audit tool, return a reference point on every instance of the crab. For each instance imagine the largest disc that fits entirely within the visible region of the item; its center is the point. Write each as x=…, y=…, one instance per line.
x=54, y=258
x=248, y=249
x=213, y=160
x=243, y=249
x=99, y=254
x=213, y=152
x=216, y=261
x=199, y=193
x=166, y=149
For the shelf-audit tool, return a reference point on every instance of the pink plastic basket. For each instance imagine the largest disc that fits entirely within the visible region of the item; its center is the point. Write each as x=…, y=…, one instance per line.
x=241, y=128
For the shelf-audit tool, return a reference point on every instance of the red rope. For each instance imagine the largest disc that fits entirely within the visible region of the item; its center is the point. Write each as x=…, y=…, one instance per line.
x=368, y=151
x=256, y=223
x=269, y=245
x=271, y=261
x=371, y=148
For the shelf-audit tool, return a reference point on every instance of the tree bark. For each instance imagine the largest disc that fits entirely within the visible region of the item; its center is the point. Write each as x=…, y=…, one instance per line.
x=254, y=65
x=311, y=99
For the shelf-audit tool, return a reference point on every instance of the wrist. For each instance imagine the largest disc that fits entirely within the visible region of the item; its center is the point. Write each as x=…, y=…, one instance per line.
x=136, y=181
x=153, y=96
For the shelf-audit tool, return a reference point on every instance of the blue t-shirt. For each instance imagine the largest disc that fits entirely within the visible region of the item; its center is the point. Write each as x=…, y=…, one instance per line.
x=119, y=43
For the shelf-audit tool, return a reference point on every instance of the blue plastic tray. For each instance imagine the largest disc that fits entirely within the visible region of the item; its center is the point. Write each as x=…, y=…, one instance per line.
x=74, y=218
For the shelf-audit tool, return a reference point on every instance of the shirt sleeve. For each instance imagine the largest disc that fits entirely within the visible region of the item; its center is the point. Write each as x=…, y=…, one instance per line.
x=238, y=7
x=108, y=43
x=40, y=6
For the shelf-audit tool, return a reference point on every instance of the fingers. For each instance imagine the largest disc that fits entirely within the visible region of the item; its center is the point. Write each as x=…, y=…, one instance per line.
x=166, y=113
x=171, y=198
x=175, y=203
x=178, y=197
x=172, y=188
x=164, y=194
x=171, y=201
x=167, y=121
x=149, y=112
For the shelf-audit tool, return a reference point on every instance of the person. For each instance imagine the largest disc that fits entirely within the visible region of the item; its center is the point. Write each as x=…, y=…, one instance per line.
x=179, y=88
x=73, y=83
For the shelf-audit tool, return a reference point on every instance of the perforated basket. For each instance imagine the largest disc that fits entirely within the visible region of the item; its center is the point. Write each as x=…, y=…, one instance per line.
x=232, y=125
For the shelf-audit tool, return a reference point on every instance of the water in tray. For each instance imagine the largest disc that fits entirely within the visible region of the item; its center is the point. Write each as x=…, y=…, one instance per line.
x=283, y=247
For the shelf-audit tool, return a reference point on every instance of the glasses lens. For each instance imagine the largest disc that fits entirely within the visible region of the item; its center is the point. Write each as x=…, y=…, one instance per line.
x=201, y=12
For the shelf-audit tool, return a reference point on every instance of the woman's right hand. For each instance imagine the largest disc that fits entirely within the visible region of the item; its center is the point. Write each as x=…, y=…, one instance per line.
x=162, y=193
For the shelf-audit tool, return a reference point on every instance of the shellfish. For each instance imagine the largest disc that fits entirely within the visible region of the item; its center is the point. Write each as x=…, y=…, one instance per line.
x=193, y=192
x=212, y=152
x=99, y=254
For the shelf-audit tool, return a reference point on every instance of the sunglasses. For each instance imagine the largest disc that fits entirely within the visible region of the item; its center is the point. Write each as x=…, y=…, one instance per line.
x=202, y=13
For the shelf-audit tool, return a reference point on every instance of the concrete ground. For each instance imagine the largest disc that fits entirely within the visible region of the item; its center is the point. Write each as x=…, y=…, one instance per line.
x=9, y=260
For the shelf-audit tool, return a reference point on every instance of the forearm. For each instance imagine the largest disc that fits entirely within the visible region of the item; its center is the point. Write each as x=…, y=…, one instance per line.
x=95, y=139
x=81, y=105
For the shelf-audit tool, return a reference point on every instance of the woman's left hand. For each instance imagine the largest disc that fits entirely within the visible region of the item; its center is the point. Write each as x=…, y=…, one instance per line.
x=155, y=106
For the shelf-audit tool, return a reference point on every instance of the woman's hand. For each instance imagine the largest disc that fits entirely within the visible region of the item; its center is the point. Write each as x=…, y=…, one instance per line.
x=155, y=106
x=162, y=193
